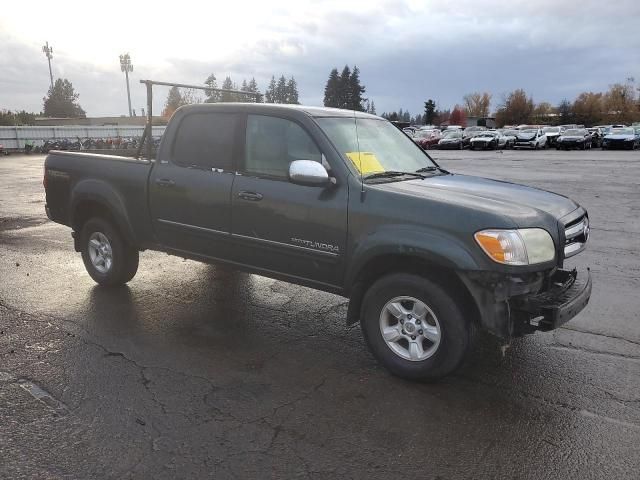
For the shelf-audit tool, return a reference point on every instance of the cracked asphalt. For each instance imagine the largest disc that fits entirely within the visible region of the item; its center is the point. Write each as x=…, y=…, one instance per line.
x=196, y=371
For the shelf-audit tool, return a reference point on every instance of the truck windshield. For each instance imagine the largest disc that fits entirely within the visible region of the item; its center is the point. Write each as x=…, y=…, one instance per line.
x=375, y=145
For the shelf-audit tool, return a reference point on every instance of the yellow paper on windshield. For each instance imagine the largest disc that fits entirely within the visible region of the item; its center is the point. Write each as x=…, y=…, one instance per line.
x=365, y=162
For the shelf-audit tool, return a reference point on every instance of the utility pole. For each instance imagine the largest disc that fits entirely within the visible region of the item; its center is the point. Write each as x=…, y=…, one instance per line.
x=126, y=67
x=48, y=51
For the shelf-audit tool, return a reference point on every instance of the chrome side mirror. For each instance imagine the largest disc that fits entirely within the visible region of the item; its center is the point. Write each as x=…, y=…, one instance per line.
x=309, y=173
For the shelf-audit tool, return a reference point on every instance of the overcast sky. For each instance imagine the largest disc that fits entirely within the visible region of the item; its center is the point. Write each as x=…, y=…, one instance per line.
x=407, y=51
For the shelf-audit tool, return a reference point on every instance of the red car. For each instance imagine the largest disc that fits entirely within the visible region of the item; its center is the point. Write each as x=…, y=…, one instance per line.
x=427, y=138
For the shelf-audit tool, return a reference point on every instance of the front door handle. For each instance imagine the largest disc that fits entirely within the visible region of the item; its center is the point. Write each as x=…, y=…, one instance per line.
x=165, y=182
x=250, y=196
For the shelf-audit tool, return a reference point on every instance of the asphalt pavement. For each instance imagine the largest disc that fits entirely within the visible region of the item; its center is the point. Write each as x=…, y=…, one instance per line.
x=196, y=371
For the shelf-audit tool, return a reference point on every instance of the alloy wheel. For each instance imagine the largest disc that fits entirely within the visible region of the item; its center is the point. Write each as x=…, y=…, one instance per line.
x=410, y=328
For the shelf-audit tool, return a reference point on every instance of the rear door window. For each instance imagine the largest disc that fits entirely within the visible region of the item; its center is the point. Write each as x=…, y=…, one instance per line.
x=206, y=140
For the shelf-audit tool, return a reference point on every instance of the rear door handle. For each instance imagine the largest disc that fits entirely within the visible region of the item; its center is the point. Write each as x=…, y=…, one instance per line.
x=165, y=182
x=250, y=196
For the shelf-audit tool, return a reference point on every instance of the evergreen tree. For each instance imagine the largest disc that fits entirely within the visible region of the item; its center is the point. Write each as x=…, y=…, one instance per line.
x=62, y=101
x=332, y=89
x=372, y=108
x=244, y=88
x=344, y=94
x=355, y=91
x=281, y=90
x=429, y=112
x=253, y=88
x=292, y=91
x=270, y=93
x=344, y=90
x=227, y=96
x=212, y=96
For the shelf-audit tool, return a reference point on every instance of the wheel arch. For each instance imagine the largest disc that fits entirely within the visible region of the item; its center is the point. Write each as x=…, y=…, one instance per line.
x=384, y=264
x=98, y=200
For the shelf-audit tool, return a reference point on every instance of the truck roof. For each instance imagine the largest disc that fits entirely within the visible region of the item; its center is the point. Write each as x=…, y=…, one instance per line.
x=274, y=107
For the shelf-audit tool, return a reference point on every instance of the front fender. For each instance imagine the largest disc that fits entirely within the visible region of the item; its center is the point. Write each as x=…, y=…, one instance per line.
x=435, y=247
x=102, y=193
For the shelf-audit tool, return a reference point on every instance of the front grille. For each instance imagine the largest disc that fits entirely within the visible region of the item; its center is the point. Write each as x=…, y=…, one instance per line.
x=576, y=235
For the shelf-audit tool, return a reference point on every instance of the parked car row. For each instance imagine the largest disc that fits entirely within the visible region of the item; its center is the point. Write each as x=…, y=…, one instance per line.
x=564, y=137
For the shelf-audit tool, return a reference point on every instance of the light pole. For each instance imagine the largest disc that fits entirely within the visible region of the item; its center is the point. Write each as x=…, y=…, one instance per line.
x=126, y=67
x=48, y=51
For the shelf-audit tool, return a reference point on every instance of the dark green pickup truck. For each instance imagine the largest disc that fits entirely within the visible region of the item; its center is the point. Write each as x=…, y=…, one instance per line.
x=342, y=202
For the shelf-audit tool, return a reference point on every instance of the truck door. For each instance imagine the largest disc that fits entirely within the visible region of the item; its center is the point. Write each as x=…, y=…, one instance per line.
x=190, y=189
x=280, y=226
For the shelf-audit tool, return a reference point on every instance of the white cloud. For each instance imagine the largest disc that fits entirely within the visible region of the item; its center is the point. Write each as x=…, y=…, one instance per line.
x=407, y=50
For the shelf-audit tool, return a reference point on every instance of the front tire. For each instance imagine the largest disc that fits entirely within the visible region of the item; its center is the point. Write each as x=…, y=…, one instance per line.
x=109, y=260
x=414, y=328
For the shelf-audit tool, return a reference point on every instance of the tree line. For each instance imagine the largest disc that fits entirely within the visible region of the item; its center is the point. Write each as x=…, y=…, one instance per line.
x=9, y=118
x=282, y=90
x=619, y=104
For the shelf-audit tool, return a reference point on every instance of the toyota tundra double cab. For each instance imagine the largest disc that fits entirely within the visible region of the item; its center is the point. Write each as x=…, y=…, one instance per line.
x=343, y=202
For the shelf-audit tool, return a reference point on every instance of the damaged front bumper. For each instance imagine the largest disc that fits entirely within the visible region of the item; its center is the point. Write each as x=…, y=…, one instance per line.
x=566, y=297
x=512, y=306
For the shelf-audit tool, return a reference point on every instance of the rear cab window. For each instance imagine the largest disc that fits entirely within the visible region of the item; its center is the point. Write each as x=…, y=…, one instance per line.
x=206, y=141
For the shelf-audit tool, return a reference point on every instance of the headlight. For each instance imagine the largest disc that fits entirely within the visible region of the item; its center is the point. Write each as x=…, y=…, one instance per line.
x=527, y=246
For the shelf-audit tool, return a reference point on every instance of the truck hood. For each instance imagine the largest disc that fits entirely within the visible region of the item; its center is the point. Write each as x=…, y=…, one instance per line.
x=518, y=202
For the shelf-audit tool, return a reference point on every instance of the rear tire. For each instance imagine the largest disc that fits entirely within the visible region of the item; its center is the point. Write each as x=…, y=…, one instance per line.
x=442, y=337
x=109, y=260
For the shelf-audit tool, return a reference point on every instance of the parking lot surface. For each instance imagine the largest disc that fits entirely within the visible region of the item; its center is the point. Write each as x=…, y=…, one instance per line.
x=199, y=371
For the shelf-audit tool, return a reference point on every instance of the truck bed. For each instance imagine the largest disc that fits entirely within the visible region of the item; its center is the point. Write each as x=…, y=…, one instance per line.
x=109, y=180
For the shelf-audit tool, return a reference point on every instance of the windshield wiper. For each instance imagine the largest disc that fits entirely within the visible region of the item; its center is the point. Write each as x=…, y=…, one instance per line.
x=446, y=172
x=392, y=174
x=431, y=168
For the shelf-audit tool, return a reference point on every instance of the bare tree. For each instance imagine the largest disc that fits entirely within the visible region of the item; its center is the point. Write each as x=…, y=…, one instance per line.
x=588, y=108
x=542, y=113
x=516, y=109
x=477, y=104
x=620, y=102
